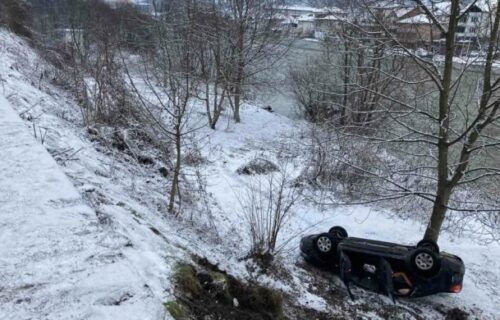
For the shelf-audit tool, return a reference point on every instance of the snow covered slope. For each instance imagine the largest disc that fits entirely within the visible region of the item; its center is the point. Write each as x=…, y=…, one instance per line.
x=61, y=257
x=55, y=259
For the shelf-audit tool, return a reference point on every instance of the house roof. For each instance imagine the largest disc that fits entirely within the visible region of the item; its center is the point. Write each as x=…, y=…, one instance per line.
x=306, y=18
x=486, y=5
x=330, y=17
x=300, y=8
x=418, y=19
x=401, y=12
x=386, y=4
x=443, y=8
x=311, y=9
x=333, y=10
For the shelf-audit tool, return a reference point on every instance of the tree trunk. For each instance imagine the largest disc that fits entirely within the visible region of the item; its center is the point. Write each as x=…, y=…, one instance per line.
x=218, y=108
x=177, y=171
x=240, y=69
x=443, y=189
x=347, y=62
x=237, y=102
x=438, y=215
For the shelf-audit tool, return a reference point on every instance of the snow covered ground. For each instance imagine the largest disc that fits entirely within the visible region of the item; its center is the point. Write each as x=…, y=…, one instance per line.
x=88, y=237
x=56, y=260
x=61, y=255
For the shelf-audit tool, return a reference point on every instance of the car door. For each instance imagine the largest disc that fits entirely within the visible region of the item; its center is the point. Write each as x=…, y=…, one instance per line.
x=384, y=277
x=345, y=271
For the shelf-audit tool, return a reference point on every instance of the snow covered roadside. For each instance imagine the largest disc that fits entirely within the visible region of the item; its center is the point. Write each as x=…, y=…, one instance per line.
x=55, y=260
x=62, y=256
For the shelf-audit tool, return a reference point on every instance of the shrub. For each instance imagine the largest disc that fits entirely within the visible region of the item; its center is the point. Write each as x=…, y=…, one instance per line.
x=186, y=280
x=15, y=14
x=176, y=310
x=267, y=206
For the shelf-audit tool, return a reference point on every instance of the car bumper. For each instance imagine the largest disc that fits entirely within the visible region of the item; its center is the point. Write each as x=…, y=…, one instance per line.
x=449, y=279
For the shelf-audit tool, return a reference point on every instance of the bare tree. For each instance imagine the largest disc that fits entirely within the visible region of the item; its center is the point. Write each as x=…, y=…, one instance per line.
x=439, y=130
x=459, y=129
x=211, y=33
x=235, y=41
x=346, y=83
x=255, y=44
x=16, y=15
x=165, y=87
x=84, y=41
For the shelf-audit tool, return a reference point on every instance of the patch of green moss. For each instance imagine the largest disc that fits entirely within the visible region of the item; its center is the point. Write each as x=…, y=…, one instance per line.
x=222, y=281
x=186, y=280
x=218, y=276
x=176, y=310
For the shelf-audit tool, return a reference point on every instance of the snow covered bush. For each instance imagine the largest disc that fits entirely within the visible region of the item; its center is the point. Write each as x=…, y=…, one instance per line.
x=339, y=164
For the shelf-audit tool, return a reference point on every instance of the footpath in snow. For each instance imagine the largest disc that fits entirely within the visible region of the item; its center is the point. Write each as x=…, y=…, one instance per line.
x=55, y=260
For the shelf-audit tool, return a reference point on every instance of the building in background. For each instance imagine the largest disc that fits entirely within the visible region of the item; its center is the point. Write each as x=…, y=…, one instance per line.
x=305, y=21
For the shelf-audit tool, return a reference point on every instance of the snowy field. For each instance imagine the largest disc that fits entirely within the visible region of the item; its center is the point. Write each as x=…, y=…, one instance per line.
x=85, y=235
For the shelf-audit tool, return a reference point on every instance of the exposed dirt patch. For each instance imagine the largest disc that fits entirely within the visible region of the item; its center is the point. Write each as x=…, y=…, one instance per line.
x=457, y=314
x=204, y=291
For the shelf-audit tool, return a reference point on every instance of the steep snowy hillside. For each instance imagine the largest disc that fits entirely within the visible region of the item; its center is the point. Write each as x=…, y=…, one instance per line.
x=87, y=236
x=57, y=261
x=63, y=256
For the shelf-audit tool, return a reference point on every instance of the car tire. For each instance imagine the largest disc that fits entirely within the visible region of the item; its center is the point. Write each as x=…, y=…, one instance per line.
x=428, y=244
x=425, y=262
x=326, y=245
x=338, y=232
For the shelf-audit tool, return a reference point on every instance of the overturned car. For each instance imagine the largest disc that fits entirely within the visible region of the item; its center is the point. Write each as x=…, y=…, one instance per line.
x=389, y=268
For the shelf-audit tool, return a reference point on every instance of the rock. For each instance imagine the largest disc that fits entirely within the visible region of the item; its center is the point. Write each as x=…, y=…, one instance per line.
x=93, y=131
x=103, y=218
x=118, y=142
x=456, y=314
x=146, y=160
x=88, y=188
x=268, y=108
x=163, y=172
x=258, y=166
x=215, y=284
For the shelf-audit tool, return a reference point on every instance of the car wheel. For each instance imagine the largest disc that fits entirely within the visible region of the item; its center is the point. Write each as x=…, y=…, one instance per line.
x=338, y=232
x=425, y=262
x=428, y=244
x=326, y=244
